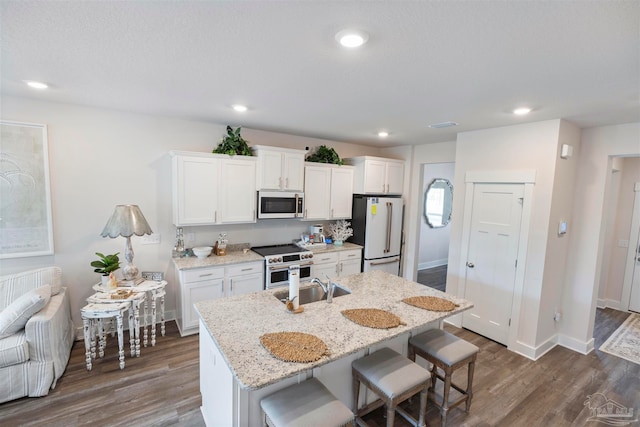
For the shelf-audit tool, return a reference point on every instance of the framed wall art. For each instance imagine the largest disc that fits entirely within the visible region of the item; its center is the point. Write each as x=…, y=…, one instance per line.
x=26, y=226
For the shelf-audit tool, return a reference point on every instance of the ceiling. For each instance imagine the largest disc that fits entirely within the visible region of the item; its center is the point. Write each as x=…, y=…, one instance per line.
x=425, y=62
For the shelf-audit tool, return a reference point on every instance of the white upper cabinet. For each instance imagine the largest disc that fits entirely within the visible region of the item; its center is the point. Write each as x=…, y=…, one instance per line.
x=317, y=188
x=213, y=188
x=328, y=191
x=341, y=199
x=238, y=192
x=377, y=175
x=280, y=169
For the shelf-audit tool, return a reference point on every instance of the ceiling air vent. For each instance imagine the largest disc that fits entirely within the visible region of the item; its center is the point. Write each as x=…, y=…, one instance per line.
x=442, y=125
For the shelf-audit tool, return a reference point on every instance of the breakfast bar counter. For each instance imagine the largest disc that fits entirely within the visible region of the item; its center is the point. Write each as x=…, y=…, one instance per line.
x=236, y=371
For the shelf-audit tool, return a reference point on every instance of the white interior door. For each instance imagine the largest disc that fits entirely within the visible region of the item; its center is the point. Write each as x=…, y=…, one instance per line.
x=492, y=255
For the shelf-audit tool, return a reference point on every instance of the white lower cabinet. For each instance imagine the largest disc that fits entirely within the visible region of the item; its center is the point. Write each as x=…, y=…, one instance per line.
x=201, y=284
x=350, y=262
x=337, y=264
x=244, y=278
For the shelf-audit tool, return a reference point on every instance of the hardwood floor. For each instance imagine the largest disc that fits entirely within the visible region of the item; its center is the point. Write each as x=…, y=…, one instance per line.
x=435, y=277
x=161, y=388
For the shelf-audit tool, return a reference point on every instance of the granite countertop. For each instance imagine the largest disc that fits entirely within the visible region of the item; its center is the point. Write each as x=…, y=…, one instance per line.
x=233, y=256
x=346, y=246
x=237, y=323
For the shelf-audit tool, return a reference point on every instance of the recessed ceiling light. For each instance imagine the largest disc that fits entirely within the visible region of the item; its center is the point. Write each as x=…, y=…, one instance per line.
x=352, y=38
x=240, y=108
x=522, y=111
x=36, y=85
x=383, y=134
x=443, y=125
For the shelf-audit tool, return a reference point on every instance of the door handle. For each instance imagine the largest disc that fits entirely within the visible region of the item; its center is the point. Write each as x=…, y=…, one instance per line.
x=387, y=249
x=470, y=265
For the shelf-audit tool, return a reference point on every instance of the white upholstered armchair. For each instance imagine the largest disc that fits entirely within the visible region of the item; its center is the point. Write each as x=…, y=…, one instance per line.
x=36, y=332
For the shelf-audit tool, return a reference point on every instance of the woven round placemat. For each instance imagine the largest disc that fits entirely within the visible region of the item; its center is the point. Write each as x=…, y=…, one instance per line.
x=373, y=318
x=430, y=303
x=294, y=346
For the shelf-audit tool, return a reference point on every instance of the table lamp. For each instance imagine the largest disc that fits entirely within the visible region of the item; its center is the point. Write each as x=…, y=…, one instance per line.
x=126, y=221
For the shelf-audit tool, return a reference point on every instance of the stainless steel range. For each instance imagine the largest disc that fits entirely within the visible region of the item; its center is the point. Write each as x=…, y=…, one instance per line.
x=278, y=259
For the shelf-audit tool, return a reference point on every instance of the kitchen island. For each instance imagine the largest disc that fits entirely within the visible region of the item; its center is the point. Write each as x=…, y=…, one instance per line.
x=236, y=371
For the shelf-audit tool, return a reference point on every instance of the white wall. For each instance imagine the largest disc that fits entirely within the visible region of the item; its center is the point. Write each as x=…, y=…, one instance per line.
x=434, y=242
x=557, y=245
x=99, y=158
x=587, y=241
x=443, y=152
x=520, y=147
x=609, y=218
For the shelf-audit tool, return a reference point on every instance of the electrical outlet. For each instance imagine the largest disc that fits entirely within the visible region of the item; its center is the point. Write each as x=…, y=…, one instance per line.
x=153, y=275
x=191, y=237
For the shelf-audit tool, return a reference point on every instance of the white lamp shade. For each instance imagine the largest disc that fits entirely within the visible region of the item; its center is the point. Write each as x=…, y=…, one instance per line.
x=126, y=221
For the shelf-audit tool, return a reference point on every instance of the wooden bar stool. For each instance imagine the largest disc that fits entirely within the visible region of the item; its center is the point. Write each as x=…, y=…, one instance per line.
x=392, y=377
x=447, y=352
x=306, y=404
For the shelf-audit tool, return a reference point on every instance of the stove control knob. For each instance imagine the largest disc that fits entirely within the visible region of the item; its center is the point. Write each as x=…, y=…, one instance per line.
x=279, y=259
x=310, y=255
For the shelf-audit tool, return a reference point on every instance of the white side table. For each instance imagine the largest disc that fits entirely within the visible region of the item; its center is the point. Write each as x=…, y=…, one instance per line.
x=136, y=299
x=99, y=312
x=155, y=290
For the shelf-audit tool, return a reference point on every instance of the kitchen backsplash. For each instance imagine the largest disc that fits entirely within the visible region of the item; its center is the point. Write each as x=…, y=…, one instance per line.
x=264, y=232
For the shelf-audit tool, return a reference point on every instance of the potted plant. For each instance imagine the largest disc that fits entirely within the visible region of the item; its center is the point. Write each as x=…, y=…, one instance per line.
x=105, y=265
x=324, y=154
x=232, y=143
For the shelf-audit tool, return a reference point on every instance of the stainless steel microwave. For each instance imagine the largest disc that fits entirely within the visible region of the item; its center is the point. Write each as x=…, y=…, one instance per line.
x=280, y=204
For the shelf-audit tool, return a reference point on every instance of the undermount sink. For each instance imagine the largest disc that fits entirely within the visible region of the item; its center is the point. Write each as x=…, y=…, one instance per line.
x=311, y=294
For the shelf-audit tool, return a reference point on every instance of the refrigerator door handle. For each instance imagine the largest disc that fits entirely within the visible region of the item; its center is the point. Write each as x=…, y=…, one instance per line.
x=387, y=249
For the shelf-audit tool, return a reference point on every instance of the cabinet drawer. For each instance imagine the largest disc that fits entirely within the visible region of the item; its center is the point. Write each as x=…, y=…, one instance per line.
x=200, y=274
x=325, y=257
x=354, y=254
x=246, y=268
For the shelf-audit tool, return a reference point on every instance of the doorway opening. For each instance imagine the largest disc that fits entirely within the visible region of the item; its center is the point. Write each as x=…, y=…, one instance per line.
x=622, y=225
x=433, y=249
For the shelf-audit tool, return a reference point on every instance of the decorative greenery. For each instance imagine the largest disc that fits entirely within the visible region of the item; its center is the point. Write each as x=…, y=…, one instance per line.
x=324, y=154
x=340, y=231
x=106, y=264
x=232, y=143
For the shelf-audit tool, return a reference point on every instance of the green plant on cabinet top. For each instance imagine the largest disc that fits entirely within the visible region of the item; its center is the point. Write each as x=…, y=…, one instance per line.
x=232, y=143
x=324, y=154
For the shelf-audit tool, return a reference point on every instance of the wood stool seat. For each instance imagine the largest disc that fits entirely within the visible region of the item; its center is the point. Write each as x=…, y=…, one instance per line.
x=447, y=352
x=392, y=377
x=306, y=404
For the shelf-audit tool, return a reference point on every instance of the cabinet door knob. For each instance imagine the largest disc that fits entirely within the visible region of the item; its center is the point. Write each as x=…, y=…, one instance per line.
x=470, y=265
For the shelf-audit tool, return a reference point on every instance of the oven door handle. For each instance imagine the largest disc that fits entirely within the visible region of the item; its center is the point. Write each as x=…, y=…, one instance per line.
x=276, y=267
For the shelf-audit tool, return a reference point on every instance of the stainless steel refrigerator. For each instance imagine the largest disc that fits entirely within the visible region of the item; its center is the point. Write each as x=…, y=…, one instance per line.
x=377, y=225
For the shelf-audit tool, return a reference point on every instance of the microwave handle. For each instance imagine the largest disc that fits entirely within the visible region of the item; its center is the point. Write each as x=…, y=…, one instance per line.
x=296, y=214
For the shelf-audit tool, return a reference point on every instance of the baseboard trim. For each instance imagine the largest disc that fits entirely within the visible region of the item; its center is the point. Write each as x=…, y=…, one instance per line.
x=432, y=264
x=582, y=347
x=609, y=303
